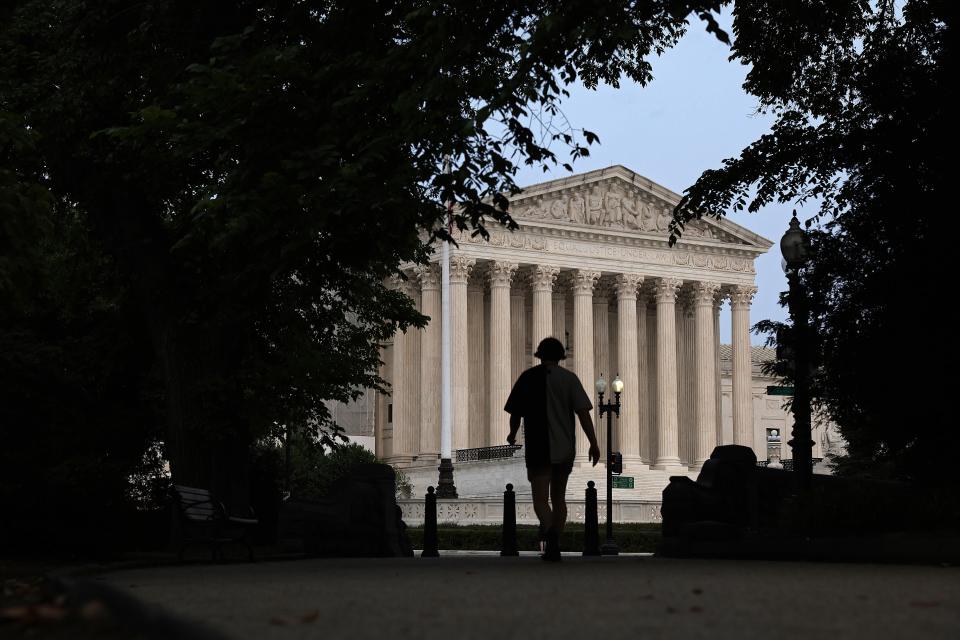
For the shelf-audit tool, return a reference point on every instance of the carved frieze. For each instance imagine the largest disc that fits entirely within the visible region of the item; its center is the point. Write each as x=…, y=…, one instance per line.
x=655, y=514
x=457, y=511
x=611, y=205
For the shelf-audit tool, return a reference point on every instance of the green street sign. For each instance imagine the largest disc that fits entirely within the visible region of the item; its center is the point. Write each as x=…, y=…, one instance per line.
x=779, y=391
x=623, y=482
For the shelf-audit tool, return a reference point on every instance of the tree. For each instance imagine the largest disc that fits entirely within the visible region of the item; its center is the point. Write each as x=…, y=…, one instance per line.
x=256, y=171
x=77, y=412
x=857, y=89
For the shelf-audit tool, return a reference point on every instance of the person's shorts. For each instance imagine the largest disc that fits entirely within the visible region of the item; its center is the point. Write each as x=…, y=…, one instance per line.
x=555, y=471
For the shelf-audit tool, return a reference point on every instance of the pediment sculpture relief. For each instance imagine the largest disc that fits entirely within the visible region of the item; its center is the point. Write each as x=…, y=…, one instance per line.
x=612, y=207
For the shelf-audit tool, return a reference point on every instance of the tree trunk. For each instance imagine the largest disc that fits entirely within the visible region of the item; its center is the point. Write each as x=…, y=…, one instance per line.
x=201, y=453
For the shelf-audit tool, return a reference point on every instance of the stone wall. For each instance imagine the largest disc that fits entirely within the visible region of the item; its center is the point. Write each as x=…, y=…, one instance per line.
x=489, y=511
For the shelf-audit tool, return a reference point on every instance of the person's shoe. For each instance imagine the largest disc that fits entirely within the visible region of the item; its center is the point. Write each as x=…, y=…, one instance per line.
x=552, y=551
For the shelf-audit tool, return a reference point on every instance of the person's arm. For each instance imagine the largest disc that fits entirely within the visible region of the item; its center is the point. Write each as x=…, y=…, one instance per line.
x=586, y=422
x=514, y=427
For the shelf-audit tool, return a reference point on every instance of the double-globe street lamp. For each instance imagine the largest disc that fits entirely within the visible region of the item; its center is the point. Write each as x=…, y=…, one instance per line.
x=609, y=548
x=795, y=249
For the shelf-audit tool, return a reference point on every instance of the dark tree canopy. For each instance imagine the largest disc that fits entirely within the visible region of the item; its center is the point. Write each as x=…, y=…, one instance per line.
x=859, y=91
x=251, y=173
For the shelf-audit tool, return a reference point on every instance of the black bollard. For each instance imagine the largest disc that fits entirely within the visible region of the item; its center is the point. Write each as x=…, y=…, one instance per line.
x=430, y=525
x=591, y=529
x=509, y=545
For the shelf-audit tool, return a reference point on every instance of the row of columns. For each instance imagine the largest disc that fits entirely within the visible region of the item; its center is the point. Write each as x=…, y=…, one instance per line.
x=668, y=381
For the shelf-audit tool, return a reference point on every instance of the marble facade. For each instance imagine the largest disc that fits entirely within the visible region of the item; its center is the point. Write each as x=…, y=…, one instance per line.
x=590, y=265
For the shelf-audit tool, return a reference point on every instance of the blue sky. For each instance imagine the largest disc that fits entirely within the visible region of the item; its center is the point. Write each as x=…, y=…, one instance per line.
x=692, y=116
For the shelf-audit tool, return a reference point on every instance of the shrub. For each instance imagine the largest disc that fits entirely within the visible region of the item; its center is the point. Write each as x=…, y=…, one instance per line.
x=314, y=470
x=630, y=538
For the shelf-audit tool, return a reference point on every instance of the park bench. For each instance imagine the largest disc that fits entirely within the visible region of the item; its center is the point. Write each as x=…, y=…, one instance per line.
x=199, y=518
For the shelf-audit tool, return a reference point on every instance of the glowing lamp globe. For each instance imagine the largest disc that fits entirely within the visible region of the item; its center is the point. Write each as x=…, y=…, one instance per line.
x=617, y=385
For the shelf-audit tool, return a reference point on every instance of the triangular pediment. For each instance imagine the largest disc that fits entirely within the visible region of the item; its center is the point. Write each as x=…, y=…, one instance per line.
x=619, y=200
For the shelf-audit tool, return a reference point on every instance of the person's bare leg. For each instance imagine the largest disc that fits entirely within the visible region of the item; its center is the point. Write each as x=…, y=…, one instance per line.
x=541, y=500
x=558, y=498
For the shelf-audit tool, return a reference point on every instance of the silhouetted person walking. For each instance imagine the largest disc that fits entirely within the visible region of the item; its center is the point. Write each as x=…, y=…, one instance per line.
x=546, y=397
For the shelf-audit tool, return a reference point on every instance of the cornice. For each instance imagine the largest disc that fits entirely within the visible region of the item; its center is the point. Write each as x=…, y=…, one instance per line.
x=612, y=237
x=541, y=238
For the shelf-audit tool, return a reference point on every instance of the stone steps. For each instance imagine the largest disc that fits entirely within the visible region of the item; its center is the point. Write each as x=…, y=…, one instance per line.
x=648, y=483
x=486, y=479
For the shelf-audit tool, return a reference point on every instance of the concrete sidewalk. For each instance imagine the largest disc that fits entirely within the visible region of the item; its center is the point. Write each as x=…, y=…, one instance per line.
x=481, y=596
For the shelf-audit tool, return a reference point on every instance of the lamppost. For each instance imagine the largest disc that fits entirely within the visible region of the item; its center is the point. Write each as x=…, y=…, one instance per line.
x=795, y=249
x=609, y=548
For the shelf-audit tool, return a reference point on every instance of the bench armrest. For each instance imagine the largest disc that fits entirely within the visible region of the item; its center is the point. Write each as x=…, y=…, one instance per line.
x=218, y=512
x=246, y=514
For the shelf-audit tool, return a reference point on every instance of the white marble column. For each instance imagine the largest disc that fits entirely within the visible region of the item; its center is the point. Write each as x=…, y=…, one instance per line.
x=613, y=333
x=380, y=410
x=718, y=299
x=499, y=275
x=559, y=329
x=683, y=399
x=582, y=282
x=705, y=389
x=460, y=267
x=643, y=375
x=386, y=440
x=430, y=362
x=652, y=376
x=601, y=352
x=627, y=284
x=542, y=278
x=478, y=390
x=518, y=331
x=413, y=367
x=406, y=440
x=690, y=374
x=740, y=299
x=668, y=456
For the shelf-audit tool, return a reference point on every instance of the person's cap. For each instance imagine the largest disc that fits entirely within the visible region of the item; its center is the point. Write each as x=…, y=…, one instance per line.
x=550, y=349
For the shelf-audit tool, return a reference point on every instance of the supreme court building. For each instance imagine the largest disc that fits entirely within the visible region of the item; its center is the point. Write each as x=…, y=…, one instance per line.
x=591, y=266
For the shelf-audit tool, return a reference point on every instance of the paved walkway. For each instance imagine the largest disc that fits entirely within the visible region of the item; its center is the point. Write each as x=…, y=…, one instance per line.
x=460, y=597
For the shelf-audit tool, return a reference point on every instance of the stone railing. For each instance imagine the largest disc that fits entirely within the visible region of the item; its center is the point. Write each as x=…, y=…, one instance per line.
x=786, y=464
x=487, y=453
x=490, y=511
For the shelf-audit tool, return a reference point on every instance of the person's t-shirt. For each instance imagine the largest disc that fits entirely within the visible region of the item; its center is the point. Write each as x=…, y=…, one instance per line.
x=547, y=399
